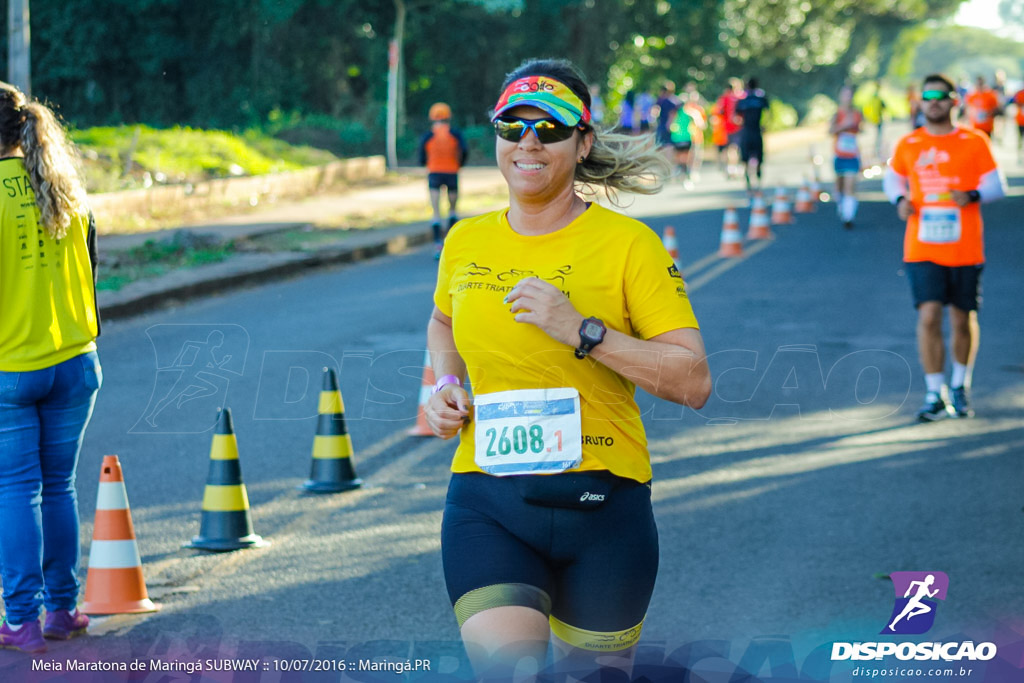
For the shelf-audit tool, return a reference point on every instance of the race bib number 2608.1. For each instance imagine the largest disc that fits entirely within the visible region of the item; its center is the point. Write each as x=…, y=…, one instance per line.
x=528, y=431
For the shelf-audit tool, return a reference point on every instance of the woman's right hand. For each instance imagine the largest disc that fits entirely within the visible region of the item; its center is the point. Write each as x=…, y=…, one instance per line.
x=448, y=410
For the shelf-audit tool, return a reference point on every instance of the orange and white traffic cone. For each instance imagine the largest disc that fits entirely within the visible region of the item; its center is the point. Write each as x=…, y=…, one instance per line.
x=426, y=385
x=782, y=213
x=760, y=226
x=671, y=246
x=732, y=240
x=114, y=584
x=804, y=201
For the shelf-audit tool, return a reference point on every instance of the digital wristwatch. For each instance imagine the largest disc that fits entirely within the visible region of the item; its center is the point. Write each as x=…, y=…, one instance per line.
x=592, y=332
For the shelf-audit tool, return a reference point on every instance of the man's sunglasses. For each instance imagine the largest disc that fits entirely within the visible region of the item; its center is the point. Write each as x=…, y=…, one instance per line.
x=547, y=130
x=936, y=95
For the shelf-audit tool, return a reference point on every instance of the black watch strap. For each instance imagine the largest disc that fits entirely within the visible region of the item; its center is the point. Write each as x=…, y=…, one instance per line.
x=974, y=195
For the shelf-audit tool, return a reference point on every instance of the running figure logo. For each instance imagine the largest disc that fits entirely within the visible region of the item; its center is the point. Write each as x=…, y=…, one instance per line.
x=195, y=365
x=916, y=599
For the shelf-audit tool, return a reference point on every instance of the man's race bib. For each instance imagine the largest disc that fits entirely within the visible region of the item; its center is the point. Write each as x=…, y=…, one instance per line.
x=846, y=144
x=939, y=225
x=528, y=431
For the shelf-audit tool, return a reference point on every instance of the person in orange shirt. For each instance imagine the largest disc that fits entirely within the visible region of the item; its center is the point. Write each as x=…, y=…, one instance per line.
x=937, y=177
x=1018, y=101
x=982, y=105
x=443, y=151
x=719, y=138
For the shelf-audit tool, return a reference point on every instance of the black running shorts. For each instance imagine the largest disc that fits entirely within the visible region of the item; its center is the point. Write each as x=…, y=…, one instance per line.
x=751, y=147
x=959, y=286
x=590, y=568
x=450, y=180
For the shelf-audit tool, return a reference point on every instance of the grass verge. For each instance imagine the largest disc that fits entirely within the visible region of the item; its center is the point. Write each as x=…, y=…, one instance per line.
x=138, y=156
x=153, y=259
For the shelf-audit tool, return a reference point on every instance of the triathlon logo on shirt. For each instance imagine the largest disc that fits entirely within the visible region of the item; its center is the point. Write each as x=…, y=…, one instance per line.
x=916, y=599
x=673, y=271
x=477, y=276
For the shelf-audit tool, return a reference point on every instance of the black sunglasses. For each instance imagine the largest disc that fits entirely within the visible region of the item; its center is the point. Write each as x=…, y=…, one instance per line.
x=547, y=130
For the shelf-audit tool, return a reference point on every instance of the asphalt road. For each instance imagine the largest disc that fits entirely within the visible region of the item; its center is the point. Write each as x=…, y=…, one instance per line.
x=782, y=505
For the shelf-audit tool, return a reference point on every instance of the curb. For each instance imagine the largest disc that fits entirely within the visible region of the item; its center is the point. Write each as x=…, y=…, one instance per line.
x=260, y=269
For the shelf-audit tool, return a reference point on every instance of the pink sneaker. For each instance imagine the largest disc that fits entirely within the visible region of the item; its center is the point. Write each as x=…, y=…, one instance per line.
x=63, y=625
x=27, y=638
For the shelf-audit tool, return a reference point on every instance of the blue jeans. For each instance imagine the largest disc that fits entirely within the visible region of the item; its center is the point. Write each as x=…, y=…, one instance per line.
x=43, y=414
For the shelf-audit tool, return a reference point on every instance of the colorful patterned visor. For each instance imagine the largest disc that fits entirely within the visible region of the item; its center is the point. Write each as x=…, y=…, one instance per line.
x=544, y=92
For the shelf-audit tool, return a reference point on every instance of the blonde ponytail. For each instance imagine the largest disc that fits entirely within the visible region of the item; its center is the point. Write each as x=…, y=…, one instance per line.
x=622, y=163
x=53, y=168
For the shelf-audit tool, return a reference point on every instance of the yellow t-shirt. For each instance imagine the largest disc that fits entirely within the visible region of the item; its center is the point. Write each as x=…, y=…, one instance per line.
x=47, y=302
x=611, y=267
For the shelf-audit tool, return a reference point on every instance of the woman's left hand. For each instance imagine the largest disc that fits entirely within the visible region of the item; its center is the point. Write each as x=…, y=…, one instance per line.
x=540, y=303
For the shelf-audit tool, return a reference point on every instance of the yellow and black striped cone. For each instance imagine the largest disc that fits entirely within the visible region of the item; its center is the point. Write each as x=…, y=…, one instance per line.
x=332, y=469
x=226, y=523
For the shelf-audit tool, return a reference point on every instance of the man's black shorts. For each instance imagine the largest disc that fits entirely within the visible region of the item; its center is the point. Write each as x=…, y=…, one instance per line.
x=449, y=180
x=751, y=147
x=959, y=286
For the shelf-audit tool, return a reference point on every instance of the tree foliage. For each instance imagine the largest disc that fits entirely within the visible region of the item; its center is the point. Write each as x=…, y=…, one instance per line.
x=239, y=63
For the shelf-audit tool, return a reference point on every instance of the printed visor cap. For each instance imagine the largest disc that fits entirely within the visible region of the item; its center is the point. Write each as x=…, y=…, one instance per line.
x=546, y=93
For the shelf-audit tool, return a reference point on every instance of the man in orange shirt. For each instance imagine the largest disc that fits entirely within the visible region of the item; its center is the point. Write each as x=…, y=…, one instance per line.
x=982, y=105
x=937, y=177
x=1018, y=101
x=443, y=151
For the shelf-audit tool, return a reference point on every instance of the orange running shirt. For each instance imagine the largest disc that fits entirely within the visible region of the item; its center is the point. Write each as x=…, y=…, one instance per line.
x=845, y=146
x=442, y=149
x=981, y=109
x=1018, y=99
x=934, y=165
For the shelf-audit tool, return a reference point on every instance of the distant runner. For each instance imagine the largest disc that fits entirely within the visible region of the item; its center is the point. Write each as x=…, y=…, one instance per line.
x=443, y=151
x=845, y=127
x=686, y=134
x=751, y=108
x=1018, y=102
x=937, y=177
x=875, y=113
x=982, y=105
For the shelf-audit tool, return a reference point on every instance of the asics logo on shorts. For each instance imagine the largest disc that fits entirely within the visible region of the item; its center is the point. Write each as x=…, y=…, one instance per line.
x=596, y=497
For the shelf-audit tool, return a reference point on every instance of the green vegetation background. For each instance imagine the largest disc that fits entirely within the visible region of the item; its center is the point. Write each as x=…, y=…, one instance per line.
x=314, y=72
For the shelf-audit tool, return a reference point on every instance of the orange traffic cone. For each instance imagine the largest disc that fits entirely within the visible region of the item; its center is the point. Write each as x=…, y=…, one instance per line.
x=804, y=201
x=781, y=211
x=332, y=469
x=760, y=226
x=732, y=240
x=226, y=523
x=669, y=239
x=114, y=584
x=422, y=428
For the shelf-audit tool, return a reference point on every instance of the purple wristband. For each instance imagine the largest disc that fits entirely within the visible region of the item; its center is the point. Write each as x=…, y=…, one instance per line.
x=445, y=381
